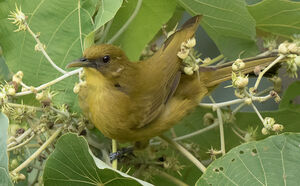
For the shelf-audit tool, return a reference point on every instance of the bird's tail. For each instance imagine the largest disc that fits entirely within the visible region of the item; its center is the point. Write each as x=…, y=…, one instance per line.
x=216, y=75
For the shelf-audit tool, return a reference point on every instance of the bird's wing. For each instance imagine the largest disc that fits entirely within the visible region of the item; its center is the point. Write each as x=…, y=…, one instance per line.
x=162, y=71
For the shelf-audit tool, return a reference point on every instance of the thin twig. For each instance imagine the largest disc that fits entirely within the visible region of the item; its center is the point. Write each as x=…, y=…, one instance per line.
x=257, y=112
x=222, y=138
x=266, y=69
x=43, y=86
x=21, y=144
x=186, y=153
x=215, y=106
x=214, y=125
x=37, y=152
x=124, y=27
x=20, y=138
x=41, y=48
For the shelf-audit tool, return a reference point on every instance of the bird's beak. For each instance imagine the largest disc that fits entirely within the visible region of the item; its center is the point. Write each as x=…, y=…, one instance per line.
x=82, y=62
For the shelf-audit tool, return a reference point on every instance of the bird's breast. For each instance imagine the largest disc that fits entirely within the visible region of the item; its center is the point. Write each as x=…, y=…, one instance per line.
x=105, y=106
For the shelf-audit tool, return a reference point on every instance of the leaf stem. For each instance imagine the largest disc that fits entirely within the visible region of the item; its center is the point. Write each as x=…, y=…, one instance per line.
x=123, y=28
x=37, y=152
x=186, y=153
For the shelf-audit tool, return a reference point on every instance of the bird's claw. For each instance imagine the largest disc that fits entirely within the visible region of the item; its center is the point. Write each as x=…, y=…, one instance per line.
x=120, y=153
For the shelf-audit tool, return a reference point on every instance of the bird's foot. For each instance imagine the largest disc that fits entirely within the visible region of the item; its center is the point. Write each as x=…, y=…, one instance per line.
x=120, y=153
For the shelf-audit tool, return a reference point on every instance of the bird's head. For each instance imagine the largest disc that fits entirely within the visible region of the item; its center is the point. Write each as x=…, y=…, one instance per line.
x=105, y=58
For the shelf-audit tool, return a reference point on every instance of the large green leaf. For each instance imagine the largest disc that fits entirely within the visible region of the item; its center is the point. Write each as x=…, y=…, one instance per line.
x=72, y=164
x=151, y=16
x=4, y=174
x=273, y=161
x=228, y=23
x=106, y=12
x=62, y=25
x=277, y=16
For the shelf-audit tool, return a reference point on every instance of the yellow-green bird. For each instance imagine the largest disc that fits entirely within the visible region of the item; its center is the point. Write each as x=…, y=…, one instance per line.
x=135, y=101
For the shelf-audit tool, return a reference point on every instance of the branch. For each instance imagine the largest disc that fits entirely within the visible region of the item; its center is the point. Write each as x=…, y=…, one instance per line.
x=37, y=153
x=266, y=69
x=41, y=87
x=215, y=124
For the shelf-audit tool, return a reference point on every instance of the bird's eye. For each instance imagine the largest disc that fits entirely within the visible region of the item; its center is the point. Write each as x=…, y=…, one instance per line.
x=106, y=59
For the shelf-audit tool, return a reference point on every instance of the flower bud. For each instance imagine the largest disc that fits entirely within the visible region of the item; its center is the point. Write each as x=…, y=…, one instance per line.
x=282, y=48
x=188, y=70
x=11, y=91
x=268, y=122
x=183, y=53
x=190, y=43
x=241, y=82
x=39, y=96
x=264, y=131
x=292, y=48
x=76, y=88
x=277, y=128
x=206, y=60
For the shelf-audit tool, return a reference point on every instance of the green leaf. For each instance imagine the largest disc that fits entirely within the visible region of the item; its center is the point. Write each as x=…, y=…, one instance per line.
x=62, y=24
x=151, y=16
x=106, y=12
x=4, y=173
x=273, y=161
x=278, y=17
x=289, y=95
x=228, y=23
x=72, y=164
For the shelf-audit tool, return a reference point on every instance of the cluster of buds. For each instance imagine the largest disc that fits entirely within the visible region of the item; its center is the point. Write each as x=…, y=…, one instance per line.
x=19, y=19
x=190, y=63
x=270, y=125
x=45, y=97
x=239, y=80
x=288, y=48
x=293, y=62
x=186, y=47
x=10, y=89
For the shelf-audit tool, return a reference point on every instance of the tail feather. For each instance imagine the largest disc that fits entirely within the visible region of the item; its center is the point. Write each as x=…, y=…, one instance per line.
x=216, y=75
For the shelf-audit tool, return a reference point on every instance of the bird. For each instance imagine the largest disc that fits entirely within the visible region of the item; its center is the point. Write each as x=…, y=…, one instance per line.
x=135, y=101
